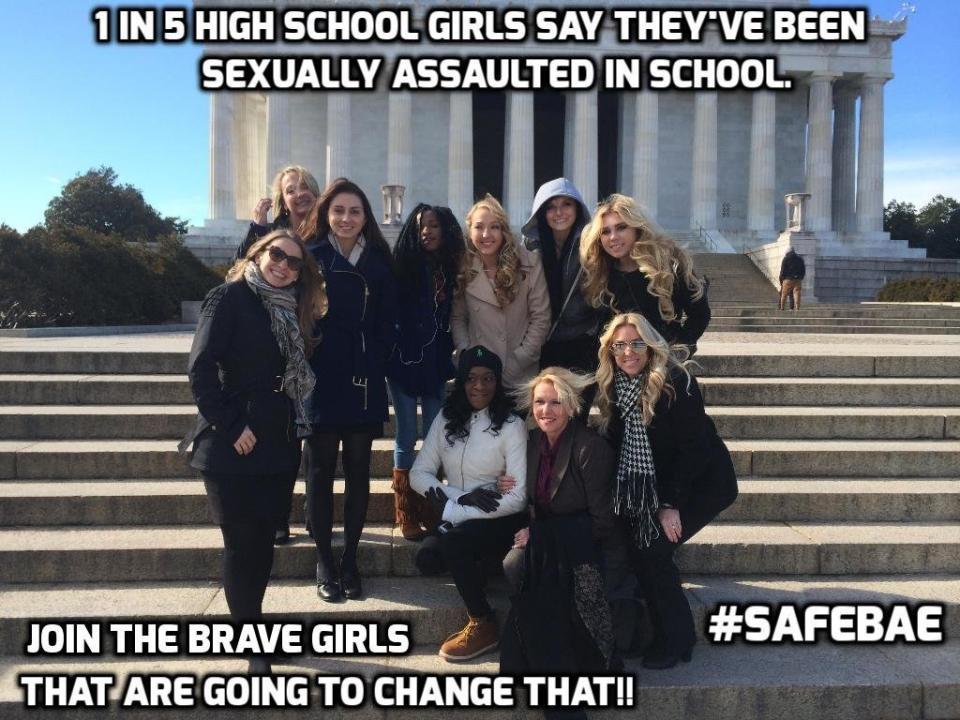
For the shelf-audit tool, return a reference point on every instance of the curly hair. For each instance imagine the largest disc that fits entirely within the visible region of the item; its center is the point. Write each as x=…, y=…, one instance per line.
x=458, y=411
x=568, y=384
x=276, y=188
x=662, y=361
x=311, y=286
x=656, y=254
x=410, y=255
x=506, y=281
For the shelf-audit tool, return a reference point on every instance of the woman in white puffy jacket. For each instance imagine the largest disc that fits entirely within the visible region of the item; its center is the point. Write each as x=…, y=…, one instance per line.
x=476, y=439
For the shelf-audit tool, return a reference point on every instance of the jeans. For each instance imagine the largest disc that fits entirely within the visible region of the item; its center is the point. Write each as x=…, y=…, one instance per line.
x=405, y=409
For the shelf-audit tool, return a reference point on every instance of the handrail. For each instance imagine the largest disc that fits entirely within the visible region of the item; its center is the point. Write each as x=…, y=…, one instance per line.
x=706, y=238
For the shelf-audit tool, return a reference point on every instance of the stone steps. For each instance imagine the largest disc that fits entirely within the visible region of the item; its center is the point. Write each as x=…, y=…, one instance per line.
x=56, y=503
x=832, y=391
x=823, y=310
x=161, y=422
x=129, y=553
x=83, y=459
x=724, y=325
x=800, y=682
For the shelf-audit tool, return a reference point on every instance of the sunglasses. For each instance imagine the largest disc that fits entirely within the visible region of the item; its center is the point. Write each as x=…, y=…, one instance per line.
x=278, y=256
x=636, y=346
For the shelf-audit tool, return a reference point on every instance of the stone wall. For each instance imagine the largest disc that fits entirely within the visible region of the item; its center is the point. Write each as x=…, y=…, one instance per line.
x=854, y=280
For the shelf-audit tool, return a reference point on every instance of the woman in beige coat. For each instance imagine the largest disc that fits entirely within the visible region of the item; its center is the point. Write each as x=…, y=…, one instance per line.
x=502, y=300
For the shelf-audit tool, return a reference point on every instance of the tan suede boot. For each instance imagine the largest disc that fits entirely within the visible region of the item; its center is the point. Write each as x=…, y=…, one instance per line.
x=405, y=506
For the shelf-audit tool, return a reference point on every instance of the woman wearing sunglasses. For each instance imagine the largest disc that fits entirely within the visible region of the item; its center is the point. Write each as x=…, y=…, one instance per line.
x=250, y=377
x=674, y=474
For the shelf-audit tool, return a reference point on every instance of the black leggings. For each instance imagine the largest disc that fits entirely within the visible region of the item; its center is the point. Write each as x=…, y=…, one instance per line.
x=321, y=453
x=246, y=508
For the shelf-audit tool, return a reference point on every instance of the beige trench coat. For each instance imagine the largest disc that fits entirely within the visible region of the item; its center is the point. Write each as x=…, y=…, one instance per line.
x=515, y=333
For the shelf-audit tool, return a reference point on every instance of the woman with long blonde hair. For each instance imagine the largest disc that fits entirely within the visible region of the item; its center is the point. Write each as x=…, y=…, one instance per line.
x=502, y=300
x=674, y=474
x=631, y=265
x=293, y=194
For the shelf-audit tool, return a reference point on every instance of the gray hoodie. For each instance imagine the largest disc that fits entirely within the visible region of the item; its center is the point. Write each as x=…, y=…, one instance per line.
x=578, y=317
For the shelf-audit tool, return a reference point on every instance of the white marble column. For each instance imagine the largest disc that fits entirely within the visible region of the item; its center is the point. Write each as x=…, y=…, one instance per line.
x=844, y=158
x=763, y=155
x=585, y=145
x=646, y=150
x=820, y=151
x=870, y=160
x=519, y=154
x=703, y=182
x=338, y=135
x=279, y=155
x=460, y=154
x=400, y=140
x=222, y=197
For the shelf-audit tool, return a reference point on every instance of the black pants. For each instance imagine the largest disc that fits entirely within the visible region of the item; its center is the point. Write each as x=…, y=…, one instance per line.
x=658, y=575
x=464, y=550
x=246, y=508
x=321, y=453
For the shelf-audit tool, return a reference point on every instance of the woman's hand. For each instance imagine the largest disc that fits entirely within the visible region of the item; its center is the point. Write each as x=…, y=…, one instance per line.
x=261, y=210
x=506, y=483
x=481, y=498
x=521, y=538
x=246, y=441
x=670, y=522
x=437, y=498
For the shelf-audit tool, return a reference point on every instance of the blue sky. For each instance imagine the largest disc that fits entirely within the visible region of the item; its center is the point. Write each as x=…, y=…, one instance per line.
x=72, y=105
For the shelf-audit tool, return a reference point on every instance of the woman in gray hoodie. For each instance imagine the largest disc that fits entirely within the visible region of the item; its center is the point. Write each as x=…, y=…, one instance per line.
x=558, y=216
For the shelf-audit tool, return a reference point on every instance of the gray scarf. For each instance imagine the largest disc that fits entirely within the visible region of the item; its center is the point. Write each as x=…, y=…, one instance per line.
x=636, y=492
x=281, y=305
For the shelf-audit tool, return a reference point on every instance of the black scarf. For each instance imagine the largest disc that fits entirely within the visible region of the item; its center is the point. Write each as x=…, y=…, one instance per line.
x=636, y=491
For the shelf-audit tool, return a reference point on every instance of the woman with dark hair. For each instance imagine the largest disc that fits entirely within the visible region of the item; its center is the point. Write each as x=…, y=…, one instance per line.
x=293, y=193
x=349, y=404
x=674, y=474
x=251, y=379
x=556, y=221
x=475, y=440
x=631, y=265
x=428, y=253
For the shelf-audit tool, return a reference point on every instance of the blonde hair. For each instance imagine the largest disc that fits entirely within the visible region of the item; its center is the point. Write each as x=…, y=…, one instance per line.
x=662, y=359
x=657, y=256
x=506, y=281
x=568, y=384
x=279, y=206
x=312, y=302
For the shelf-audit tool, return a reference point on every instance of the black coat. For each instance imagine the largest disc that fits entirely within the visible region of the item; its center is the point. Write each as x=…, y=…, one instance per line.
x=234, y=369
x=688, y=454
x=358, y=331
x=630, y=295
x=421, y=360
x=581, y=481
x=257, y=231
x=793, y=267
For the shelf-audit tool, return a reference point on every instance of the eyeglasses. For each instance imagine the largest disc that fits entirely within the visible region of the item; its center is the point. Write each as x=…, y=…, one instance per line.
x=636, y=347
x=278, y=256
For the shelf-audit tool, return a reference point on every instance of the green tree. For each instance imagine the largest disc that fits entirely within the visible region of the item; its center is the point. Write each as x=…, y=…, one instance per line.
x=940, y=221
x=900, y=220
x=97, y=201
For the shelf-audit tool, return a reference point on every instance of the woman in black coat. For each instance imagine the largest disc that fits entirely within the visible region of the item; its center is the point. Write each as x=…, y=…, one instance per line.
x=251, y=379
x=630, y=265
x=573, y=548
x=674, y=474
x=349, y=404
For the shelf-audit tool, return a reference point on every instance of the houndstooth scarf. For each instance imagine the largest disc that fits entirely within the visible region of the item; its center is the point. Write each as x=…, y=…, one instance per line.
x=281, y=305
x=636, y=492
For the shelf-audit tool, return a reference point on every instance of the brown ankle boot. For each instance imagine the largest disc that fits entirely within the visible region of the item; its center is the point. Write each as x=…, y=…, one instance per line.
x=405, y=506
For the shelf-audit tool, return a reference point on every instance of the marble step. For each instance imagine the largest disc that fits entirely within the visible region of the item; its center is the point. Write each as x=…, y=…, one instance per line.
x=832, y=391
x=147, y=553
x=183, y=502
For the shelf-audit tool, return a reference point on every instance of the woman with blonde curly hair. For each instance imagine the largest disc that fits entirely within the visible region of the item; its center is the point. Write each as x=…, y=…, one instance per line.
x=502, y=300
x=293, y=193
x=674, y=474
x=630, y=265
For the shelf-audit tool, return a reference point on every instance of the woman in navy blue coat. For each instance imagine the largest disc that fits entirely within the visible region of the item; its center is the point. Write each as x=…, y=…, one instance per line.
x=349, y=403
x=428, y=254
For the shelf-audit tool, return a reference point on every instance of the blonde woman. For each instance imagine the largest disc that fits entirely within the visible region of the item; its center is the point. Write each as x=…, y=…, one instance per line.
x=674, y=474
x=293, y=193
x=630, y=265
x=502, y=300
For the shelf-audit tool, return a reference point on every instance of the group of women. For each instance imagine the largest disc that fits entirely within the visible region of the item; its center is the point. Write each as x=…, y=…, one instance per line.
x=318, y=316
